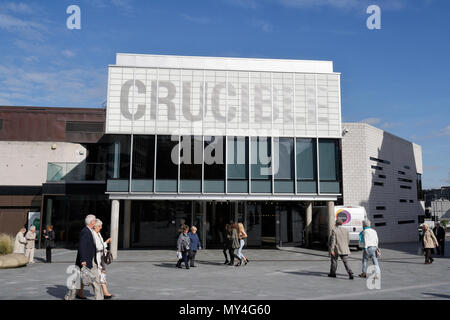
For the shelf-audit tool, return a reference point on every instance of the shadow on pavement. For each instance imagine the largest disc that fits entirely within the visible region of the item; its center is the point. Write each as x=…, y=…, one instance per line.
x=57, y=291
x=444, y=296
x=168, y=265
x=309, y=273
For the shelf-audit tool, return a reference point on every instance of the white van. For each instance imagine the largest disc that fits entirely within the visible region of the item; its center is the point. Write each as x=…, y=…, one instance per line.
x=352, y=218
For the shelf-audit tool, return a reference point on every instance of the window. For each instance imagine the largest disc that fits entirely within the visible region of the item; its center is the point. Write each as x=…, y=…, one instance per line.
x=382, y=176
x=404, y=180
x=284, y=165
x=378, y=216
x=419, y=187
x=214, y=167
x=166, y=167
x=377, y=167
x=119, y=163
x=411, y=201
x=261, y=171
x=84, y=126
x=380, y=224
x=380, y=160
x=306, y=165
x=403, y=200
x=329, y=166
x=401, y=172
x=191, y=164
x=143, y=163
x=380, y=208
x=378, y=183
x=406, y=221
x=1, y=124
x=405, y=187
x=407, y=167
x=237, y=164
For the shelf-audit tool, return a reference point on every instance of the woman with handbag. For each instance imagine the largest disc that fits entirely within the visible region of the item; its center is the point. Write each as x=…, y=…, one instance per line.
x=49, y=242
x=102, y=254
x=429, y=243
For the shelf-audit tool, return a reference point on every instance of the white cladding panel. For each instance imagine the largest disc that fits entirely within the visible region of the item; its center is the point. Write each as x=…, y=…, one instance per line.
x=149, y=100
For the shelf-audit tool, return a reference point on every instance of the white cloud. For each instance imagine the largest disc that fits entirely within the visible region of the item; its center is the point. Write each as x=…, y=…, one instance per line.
x=371, y=121
x=262, y=24
x=126, y=5
x=16, y=7
x=68, y=53
x=444, y=131
x=344, y=4
x=252, y=4
x=198, y=20
x=65, y=87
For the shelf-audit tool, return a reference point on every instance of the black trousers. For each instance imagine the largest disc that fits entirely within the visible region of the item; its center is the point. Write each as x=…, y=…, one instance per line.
x=184, y=258
x=192, y=258
x=441, y=249
x=48, y=254
x=230, y=252
x=428, y=257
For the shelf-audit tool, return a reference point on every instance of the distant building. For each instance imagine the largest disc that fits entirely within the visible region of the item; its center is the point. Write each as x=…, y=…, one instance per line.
x=382, y=172
x=439, y=209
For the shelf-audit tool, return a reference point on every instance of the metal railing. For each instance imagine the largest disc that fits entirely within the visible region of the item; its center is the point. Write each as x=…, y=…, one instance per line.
x=75, y=171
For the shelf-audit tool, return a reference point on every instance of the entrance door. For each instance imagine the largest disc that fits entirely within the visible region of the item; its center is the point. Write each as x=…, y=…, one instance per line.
x=268, y=225
x=218, y=214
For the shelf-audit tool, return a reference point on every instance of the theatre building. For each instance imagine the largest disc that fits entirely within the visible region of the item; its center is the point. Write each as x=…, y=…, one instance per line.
x=208, y=140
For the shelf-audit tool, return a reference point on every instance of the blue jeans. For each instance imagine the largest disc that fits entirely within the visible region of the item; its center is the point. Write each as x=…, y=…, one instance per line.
x=371, y=253
x=239, y=253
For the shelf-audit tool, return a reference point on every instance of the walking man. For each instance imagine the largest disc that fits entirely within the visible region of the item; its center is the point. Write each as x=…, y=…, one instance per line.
x=338, y=247
x=87, y=257
x=439, y=232
x=370, y=239
x=31, y=240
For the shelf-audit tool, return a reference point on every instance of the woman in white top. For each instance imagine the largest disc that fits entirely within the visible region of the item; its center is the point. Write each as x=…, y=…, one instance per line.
x=101, y=250
x=20, y=242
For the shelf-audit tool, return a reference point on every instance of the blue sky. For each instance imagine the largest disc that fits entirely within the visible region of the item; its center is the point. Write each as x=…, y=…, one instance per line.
x=396, y=78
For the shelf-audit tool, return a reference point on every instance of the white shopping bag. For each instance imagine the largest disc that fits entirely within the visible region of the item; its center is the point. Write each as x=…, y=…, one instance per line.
x=179, y=255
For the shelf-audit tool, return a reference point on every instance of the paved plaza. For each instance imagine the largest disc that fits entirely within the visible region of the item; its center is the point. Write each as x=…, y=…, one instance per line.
x=288, y=273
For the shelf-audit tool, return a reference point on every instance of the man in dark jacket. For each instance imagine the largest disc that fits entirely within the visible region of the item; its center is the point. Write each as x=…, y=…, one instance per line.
x=86, y=256
x=439, y=232
x=194, y=244
x=49, y=242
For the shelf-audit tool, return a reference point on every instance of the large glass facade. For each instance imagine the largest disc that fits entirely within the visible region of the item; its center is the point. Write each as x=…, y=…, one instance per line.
x=143, y=163
x=218, y=164
x=237, y=164
x=118, y=171
x=329, y=166
x=167, y=156
x=284, y=171
x=191, y=164
x=261, y=165
x=306, y=165
x=214, y=163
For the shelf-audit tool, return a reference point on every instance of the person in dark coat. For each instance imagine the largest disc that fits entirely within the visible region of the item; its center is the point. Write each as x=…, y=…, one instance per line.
x=86, y=256
x=228, y=245
x=49, y=242
x=194, y=244
x=439, y=232
x=183, y=247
